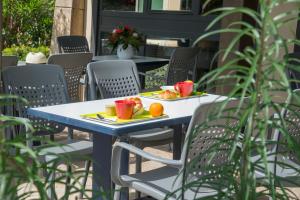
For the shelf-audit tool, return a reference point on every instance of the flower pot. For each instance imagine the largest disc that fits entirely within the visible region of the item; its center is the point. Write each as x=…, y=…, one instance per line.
x=125, y=53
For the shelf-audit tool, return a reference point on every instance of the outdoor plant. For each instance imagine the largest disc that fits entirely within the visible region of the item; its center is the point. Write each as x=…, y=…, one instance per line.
x=22, y=51
x=27, y=22
x=256, y=76
x=27, y=26
x=20, y=166
x=125, y=36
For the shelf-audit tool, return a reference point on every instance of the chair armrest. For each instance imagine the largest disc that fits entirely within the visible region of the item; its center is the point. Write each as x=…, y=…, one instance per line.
x=148, y=156
x=117, y=153
x=142, y=74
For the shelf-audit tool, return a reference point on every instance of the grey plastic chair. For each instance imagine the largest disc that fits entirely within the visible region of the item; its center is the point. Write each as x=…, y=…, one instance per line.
x=6, y=62
x=285, y=155
x=201, y=136
x=74, y=65
x=9, y=61
x=111, y=79
x=293, y=73
x=283, y=161
x=43, y=85
x=182, y=65
x=72, y=44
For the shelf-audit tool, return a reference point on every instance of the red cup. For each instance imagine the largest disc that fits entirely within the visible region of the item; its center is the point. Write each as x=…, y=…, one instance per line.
x=124, y=109
x=184, y=89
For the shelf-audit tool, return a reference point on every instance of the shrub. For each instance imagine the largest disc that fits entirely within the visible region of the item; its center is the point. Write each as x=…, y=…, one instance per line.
x=22, y=51
x=27, y=22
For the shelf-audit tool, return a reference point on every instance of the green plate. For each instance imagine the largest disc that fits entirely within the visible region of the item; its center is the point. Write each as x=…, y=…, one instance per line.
x=113, y=120
x=155, y=95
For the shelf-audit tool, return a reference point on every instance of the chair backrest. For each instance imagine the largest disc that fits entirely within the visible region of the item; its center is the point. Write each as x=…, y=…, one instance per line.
x=41, y=85
x=182, y=65
x=149, y=50
x=204, y=132
x=74, y=65
x=6, y=62
x=72, y=44
x=9, y=61
x=115, y=78
x=294, y=74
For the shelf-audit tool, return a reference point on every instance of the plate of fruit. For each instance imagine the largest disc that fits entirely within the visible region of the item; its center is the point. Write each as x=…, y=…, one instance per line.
x=181, y=90
x=128, y=110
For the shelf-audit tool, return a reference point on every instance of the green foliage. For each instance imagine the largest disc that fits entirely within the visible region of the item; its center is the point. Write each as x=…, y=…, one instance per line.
x=21, y=167
x=27, y=22
x=257, y=77
x=156, y=78
x=22, y=51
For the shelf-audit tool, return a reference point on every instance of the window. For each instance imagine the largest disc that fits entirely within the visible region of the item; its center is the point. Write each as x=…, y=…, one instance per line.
x=123, y=5
x=171, y=5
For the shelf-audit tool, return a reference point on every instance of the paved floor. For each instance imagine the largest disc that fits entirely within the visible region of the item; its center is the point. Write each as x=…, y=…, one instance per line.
x=163, y=151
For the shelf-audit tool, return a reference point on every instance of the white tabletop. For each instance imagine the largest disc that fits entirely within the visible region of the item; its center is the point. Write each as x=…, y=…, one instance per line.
x=69, y=114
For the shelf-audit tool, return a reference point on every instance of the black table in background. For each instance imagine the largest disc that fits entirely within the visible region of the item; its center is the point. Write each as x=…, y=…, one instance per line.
x=143, y=64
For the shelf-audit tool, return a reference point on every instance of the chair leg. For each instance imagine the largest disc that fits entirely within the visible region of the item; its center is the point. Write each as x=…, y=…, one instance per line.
x=117, y=192
x=68, y=181
x=70, y=134
x=51, y=188
x=138, y=169
x=52, y=137
x=84, y=180
x=138, y=164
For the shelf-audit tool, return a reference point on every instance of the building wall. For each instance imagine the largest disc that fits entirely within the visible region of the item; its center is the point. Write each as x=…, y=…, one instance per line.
x=74, y=17
x=287, y=31
x=69, y=19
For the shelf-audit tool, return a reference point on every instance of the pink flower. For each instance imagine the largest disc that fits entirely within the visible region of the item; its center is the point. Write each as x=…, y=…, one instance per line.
x=119, y=31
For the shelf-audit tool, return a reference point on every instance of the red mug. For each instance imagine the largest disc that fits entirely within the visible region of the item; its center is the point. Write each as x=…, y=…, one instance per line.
x=124, y=109
x=184, y=89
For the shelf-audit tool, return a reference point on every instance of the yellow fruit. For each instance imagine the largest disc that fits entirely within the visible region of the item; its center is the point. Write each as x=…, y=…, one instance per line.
x=189, y=81
x=156, y=109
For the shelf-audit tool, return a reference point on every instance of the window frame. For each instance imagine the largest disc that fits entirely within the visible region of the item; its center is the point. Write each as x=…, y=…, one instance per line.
x=149, y=22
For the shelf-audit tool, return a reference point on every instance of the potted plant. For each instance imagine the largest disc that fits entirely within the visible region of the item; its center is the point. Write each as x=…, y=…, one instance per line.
x=126, y=40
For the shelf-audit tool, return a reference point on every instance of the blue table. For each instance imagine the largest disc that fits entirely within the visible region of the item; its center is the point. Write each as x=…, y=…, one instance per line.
x=179, y=113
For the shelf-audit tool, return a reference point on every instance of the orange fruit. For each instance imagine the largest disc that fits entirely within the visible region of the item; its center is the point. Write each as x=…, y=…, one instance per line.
x=156, y=109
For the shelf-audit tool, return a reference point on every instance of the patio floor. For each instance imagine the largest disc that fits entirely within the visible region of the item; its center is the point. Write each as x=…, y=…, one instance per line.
x=163, y=151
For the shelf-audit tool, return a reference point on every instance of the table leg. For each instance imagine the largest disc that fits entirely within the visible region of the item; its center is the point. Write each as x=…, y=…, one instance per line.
x=177, y=141
x=102, y=151
x=143, y=80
